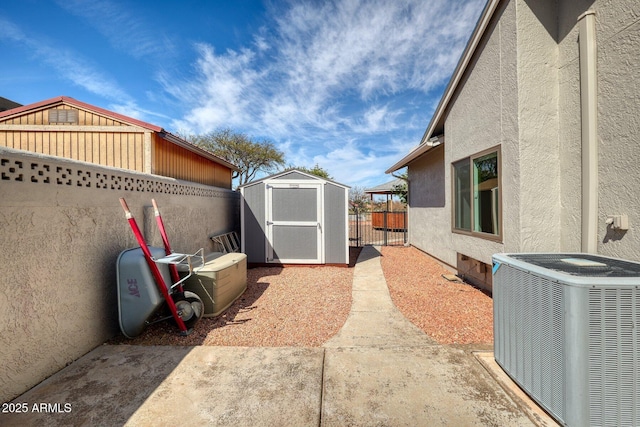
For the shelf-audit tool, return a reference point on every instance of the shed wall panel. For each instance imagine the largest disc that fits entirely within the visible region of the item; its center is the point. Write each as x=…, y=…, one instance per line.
x=297, y=244
x=254, y=233
x=107, y=149
x=335, y=232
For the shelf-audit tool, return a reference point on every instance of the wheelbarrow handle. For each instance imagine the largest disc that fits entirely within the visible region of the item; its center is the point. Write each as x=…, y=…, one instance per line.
x=126, y=208
x=165, y=240
x=157, y=275
x=156, y=211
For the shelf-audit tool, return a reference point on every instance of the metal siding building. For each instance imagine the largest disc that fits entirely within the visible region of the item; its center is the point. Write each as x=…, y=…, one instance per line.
x=66, y=127
x=295, y=218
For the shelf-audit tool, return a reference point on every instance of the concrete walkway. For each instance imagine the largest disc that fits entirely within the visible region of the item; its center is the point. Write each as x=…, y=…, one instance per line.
x=379, y=370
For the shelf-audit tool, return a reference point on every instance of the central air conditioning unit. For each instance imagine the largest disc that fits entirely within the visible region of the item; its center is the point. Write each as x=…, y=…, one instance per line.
x=567, y=330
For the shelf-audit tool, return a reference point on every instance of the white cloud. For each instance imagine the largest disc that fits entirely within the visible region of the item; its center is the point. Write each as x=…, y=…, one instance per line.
x=376, y=119
x=10, y=31
x=121, y=27
x=375, y=45
x=67, y=63
x=331, y=72
x=222, y=93
x=81, y=73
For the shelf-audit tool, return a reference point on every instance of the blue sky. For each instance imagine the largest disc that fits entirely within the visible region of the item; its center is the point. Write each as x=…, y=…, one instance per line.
x=349, y=85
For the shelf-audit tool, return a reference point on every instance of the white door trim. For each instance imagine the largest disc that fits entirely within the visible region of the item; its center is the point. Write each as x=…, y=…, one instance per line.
x=319, y=224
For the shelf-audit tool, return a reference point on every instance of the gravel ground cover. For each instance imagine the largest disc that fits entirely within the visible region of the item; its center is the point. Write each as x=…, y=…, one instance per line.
x=305, y=306
x=449, y=312
x=291, y=306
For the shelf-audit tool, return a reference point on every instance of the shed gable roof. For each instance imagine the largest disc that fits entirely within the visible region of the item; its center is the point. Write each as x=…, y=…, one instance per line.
x=281, y=175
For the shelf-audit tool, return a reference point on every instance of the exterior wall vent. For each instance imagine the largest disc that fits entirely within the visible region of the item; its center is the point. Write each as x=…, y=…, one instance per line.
x=567, y=330
x=59, y=115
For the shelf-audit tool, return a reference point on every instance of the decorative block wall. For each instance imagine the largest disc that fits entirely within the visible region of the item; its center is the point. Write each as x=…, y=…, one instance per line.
x=61, y=230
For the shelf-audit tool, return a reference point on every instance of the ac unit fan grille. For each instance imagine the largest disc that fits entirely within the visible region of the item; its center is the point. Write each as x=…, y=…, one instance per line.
x=604, y=267
x=572, y=344
x=614, y=359
x=529, y=340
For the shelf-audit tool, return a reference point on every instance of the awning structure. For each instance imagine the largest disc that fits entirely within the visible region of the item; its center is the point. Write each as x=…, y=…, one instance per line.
x=386, y=189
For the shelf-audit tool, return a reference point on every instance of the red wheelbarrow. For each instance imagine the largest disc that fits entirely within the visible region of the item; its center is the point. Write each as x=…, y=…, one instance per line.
x=148, y=281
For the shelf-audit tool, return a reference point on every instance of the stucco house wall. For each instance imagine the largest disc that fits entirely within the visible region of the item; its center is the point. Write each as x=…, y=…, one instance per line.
x=618, y=32
x=61, y=230
x=520, y=91
x=428, y=186
x=618, y=82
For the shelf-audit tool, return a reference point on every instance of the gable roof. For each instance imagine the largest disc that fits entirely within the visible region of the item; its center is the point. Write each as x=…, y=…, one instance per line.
x=289, y=171
x=47, y=103
x=60, y=100
x=436, y=125
x=386, y=188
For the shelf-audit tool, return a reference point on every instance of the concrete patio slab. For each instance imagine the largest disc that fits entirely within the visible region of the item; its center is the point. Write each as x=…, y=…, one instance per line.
x=528, y=405
x=419, y=386
x=158, y=385
x=379, y=370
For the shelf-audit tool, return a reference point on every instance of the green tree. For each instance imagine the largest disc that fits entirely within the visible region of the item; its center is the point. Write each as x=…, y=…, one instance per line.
x=249, y=155
x=316, y=170
x=401, y=190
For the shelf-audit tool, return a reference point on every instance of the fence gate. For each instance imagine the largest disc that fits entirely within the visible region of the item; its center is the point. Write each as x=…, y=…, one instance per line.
x=377, y=228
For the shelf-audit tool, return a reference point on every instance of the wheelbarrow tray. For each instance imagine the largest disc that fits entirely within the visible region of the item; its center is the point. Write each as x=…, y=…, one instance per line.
x=138, y=295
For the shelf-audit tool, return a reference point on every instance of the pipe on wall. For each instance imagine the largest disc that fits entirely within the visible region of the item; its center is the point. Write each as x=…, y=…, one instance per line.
x=589, y=119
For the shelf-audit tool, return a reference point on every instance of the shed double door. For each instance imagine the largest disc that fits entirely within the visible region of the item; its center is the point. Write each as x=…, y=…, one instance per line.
x=294, y=223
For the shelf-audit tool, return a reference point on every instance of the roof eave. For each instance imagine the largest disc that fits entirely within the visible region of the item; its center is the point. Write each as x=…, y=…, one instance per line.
x=437, y=120
x=422, y=149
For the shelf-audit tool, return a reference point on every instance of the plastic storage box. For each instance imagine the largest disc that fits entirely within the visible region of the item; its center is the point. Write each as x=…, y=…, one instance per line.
x=220, y=282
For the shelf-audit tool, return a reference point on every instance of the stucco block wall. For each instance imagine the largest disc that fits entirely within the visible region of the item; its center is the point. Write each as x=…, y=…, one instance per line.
x=59, y=241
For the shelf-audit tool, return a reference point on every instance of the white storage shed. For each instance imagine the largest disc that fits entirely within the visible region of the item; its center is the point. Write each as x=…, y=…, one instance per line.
x=295, y=218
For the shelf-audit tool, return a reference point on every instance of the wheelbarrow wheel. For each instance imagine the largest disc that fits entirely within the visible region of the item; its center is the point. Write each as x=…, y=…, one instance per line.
x=190, y=307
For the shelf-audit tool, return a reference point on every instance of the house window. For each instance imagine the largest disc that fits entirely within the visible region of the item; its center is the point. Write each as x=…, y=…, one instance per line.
x=476, y=195
x=462, y=194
